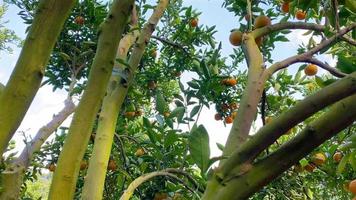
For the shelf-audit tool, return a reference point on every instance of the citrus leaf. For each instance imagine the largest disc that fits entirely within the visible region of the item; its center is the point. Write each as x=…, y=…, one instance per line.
x=160, y=103
x=199, y=147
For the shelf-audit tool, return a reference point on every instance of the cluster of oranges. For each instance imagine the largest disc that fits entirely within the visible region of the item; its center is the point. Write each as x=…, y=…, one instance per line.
x=229, y=81
x=227, y=108
x=299, y=14
x=79, y=20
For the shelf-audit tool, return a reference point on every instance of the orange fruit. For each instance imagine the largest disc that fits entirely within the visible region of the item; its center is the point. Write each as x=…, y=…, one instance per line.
x=151, y=85
x=139, y=152
x=160, y=196
x=300, y=14
x=217, y=117
x=228, y=120
x=83, y=165
x=231, y=82
x=309, y=167
x=285, y=7
x=130, y=114
x=262, y=21
x=138, y=113
x=51, y=167
x=352, y=186
x=259, y=41
x=233, y=105
x=112, y=165
x=166, y=114
x=235, y=38
x=268, y=120
x=177, y=74
x=79, y=20
x=194, y=22
x=319, y=159
x=311, y=70
x=154, y=53
x=337, y=157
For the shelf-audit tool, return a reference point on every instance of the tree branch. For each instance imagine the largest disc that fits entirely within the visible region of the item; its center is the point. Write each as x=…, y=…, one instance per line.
x=340, y=116
x=326, y=66
x=286, y=25
x=173, y=44
x=138, y=181
x=269, y=133
x=307, y=55
x=349, y=40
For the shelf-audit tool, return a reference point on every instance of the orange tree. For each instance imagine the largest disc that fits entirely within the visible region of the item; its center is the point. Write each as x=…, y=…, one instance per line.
x=134, y=107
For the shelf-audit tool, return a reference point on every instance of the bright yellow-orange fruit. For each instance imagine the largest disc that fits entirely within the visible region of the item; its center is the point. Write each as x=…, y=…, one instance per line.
x=235, y=38
x=262, y=21
x=166, y=114
x=319, y=159
x=51, y=167
x=352, y=186
x=285, y=7
x=79, y=20
x=139, y=152
x=337, y=157
x=309, y=167
x=194, y=22
x=300, y=15
x=130, y=114
x=268, y=120
x=233, y=105
x=112, y=165
x=154, y=53
x=228, y=120
x=311, y=70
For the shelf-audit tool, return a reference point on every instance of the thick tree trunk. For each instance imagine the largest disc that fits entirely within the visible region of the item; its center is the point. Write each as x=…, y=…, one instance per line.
x=94, y=183
x=66, y=174
x=26, y=78
x=243, y=185
x=13, y=175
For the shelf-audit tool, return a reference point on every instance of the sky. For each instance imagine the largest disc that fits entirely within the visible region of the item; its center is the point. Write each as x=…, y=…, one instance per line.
x=47, y=103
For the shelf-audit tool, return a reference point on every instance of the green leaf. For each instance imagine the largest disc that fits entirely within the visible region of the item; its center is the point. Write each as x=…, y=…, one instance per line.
x=160, y=103
x=194, y=111
x=319, y=81
x=193, y=84
x=199, y=147
x=353, y=160
x=346, y=65
x=177, y=111
x=170, y=138
x=205, y=69
x=342, y=164
x=220, y=146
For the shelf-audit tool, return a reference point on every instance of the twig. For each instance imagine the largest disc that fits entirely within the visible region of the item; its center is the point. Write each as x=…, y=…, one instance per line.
x=308, y=55
x=173, y=44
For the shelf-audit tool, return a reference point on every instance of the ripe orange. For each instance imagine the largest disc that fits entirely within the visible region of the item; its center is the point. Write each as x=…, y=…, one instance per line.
x=309, y=167
x=166, y=114
x=337, y=157
x=177, y=74
x=233, y=105
x=228, y=120
x=259, y=41
x=130, y=114
x=112, y=165
x=262, y=21
x=83, y=165
x=217, y=117
x=139, y=152
x=268, y=119
x=138, y=113
x=311, y=70
x=152, y=85
x=79, y=20
x=51, y=167
x=194, y=22
x=300, y=14
x=160, y=196
x=352, y=186
x=319, y=159
x=231, y=82
x=235, y=38
x=285, y=7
